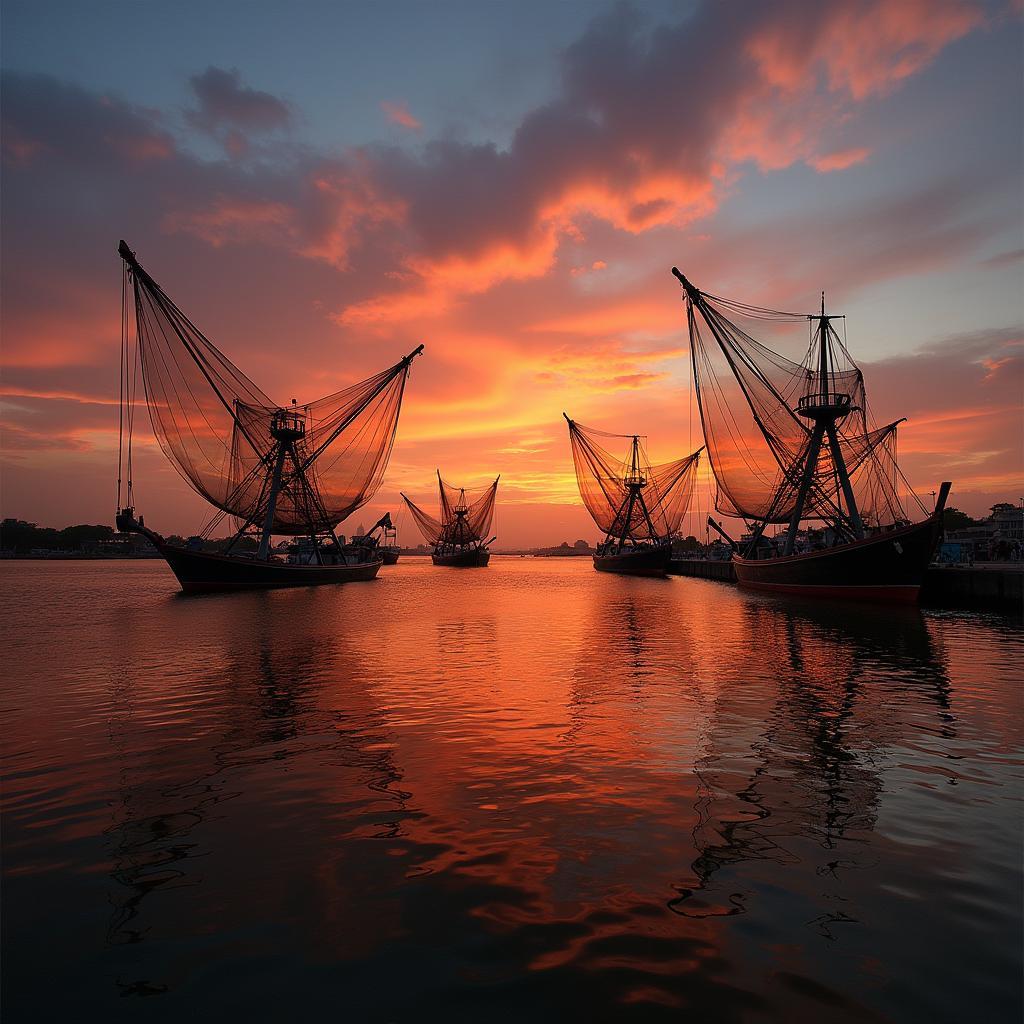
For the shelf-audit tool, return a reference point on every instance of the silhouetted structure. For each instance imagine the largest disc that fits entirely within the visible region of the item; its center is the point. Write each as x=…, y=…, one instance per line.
x=791, y=443
x=638, y=506
x=293, y=470
x=457, y=535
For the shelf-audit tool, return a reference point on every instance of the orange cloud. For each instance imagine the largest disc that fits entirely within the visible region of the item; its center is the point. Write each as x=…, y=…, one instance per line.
x=489, y=255
x=839, y=160
x=862, y=49
x=64, y=396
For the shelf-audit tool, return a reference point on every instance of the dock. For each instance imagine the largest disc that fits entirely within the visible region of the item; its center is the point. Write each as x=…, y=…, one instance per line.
x=997, y=585
x=994, y=585
x=703, y=568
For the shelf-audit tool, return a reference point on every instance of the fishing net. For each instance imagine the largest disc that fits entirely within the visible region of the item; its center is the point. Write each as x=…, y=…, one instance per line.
x=215, y=425
x=625, y=494
x=463, y=517
x=749, y=395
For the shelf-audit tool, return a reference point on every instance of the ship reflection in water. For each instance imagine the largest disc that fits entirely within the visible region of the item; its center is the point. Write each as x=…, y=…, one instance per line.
x=537, y=793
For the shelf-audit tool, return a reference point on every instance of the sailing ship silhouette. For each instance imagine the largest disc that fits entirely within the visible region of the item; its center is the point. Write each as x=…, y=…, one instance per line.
x=272, y=469
x=639, y=507
x=457, y=534
x=793, y=443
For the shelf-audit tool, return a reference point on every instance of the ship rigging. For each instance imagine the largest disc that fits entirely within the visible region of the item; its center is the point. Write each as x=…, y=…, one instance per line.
x=271, y=469
x=457, y=533
x=793, y=443
x=639, y=507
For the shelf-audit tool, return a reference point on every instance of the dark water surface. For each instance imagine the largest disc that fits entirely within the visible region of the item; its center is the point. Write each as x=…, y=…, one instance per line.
x=527, y=793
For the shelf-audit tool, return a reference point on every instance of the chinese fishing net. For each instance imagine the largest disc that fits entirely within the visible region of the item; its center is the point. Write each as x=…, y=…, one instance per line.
x=662, y=492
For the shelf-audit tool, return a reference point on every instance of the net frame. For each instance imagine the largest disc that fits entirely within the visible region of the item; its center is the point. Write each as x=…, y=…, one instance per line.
x=464, y=517
x=749, y=396
x=214, y=424
x=604, y=481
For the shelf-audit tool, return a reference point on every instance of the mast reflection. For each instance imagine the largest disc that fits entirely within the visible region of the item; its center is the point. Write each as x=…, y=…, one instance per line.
x=850, y=684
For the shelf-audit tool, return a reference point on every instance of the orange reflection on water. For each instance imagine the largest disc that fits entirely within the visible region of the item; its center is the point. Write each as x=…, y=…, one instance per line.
x=527, y=786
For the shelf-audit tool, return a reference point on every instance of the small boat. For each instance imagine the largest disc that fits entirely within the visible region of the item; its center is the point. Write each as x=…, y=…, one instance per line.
x=791, y=444
x=460, y=558
x=634, y=559
x=384, y=542
x=638, y=506
x=276, y=470
x=458, y=531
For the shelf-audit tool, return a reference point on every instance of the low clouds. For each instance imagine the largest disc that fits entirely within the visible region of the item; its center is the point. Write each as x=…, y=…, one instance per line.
x=523, y=267
x=42, y=126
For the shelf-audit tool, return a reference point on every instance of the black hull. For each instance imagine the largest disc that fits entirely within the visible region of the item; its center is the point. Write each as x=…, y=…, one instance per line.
x=889, y=567
x=201, y=571
x=390, y=557
x=473, y=558
x=642, y=562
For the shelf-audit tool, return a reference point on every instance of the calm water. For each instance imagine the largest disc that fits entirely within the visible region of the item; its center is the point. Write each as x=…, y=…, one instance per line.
x=531, y=792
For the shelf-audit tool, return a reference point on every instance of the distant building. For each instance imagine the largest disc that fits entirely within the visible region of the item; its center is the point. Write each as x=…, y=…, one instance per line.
x=1008, y=521
x=998, y=538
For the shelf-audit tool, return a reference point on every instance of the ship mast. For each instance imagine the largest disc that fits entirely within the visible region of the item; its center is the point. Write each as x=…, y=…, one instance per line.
x=824, y=407
x=635, y=483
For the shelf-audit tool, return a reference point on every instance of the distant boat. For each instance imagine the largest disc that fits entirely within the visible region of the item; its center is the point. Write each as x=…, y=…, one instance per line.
x=294, y=471
x=792, y=444
x=462, y=523
x=638, y=506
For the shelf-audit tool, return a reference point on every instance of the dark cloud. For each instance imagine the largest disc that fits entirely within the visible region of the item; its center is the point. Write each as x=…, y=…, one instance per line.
x=225, y=102
x=43, y=127
x=232, y=112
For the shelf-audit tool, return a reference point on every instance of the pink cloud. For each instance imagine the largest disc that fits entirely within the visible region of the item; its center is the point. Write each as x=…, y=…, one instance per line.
x=234, y=220
x=398, y=113
x=860, y=49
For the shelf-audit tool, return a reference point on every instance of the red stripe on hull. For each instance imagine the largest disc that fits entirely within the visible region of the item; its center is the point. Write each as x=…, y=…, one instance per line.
x=888, y=594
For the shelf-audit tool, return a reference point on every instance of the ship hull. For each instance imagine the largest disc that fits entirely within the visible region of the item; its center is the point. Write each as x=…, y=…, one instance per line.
x=201, y=571
x=643, y=562
x=390, y=557
x=888, y=568
x=473, y=558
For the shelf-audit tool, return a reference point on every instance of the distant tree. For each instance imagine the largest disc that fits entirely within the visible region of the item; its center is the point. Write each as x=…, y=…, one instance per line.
x=18, y=535
x=954, y=519
x=75, y=538
x=1002, y=507
x=564, y=544
x=581, y=545
x=689, y=544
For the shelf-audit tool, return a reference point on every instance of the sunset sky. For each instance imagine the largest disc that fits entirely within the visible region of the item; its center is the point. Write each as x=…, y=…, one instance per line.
x=323, y=186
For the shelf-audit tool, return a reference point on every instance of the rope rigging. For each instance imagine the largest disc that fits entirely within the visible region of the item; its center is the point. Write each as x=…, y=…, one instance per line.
x=224, y=436
x=759, y=411
x=628, y=496
x=464, y=519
